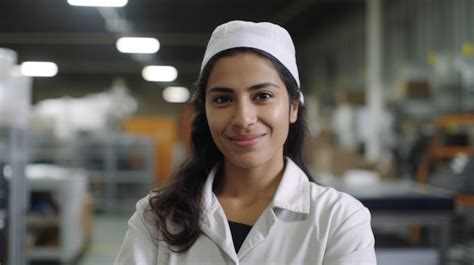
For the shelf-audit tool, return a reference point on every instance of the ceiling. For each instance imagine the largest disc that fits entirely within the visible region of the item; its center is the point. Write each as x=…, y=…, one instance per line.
x=81, y=40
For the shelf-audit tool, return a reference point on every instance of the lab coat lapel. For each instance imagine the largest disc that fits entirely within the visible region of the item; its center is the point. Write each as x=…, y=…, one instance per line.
x=213, y=221
x=292, y=195
x=259, y=231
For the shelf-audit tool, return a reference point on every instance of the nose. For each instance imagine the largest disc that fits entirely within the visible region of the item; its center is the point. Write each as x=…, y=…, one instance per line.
x=244, y=115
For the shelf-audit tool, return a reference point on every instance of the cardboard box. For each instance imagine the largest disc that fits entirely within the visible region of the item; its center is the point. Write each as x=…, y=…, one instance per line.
x=415, y=90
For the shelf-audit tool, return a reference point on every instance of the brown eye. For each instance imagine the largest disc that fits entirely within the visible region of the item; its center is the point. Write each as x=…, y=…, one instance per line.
x=263, y=96
x=222, y=100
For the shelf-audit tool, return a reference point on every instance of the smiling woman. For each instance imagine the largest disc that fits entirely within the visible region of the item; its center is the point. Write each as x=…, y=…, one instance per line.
x=245, y=195
x=248, y=112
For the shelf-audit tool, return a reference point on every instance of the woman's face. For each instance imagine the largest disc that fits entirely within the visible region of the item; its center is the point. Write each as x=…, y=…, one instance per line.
x=248, y=110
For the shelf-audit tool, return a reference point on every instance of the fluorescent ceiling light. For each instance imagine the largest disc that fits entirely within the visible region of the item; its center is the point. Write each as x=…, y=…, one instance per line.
x=176, y=94
x=159, y=73
x=106, y=3
x=40, y=69
x=138, y=45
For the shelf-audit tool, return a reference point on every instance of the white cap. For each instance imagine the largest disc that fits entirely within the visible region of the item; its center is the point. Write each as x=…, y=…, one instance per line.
x=264, y=36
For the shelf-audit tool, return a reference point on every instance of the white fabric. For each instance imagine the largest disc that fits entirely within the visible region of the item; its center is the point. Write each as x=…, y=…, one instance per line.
x=304, y=224
x=264, y=36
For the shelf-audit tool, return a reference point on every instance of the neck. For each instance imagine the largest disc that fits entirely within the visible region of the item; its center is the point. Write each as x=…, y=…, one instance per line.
x=251, y=184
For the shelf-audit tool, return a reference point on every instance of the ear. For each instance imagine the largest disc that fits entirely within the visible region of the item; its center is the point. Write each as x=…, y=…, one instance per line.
x=294, y=106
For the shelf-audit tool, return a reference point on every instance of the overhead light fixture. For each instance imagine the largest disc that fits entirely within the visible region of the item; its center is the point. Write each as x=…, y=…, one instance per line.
x=159, y=73
x=176, y=94
x=138, y=45
x=39, y=69
x=104, y=3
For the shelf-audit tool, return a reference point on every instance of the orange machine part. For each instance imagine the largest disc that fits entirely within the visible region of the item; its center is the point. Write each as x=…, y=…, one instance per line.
x=163, y=131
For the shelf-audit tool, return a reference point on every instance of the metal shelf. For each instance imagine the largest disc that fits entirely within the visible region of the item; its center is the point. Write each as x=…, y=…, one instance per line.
x=41, y=220
x=114, y=160
x=69, y=188
x=45, y=253
x=109, y=161
x=15, y=194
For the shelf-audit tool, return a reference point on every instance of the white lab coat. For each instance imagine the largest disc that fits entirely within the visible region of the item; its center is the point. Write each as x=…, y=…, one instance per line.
x=304, y=224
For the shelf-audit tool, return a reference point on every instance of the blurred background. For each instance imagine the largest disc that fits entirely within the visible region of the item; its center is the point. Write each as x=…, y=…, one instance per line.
x=94, y=113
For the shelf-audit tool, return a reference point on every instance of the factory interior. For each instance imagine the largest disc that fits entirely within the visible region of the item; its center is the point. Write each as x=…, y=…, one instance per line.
x=89, y=125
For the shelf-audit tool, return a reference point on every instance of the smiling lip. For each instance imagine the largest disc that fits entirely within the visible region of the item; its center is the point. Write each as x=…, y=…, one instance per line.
x=246, y=140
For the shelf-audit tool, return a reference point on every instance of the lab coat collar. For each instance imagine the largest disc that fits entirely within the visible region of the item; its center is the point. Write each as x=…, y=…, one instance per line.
x=292, y=193
x=213, y=220
x=209, y=199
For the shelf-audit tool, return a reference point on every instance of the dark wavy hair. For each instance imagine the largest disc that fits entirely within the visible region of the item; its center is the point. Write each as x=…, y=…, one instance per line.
x=176, y=208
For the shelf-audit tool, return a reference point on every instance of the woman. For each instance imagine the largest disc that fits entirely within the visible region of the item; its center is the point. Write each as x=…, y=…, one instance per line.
x=245, y=195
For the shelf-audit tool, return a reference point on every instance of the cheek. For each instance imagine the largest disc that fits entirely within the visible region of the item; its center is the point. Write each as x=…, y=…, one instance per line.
x=278, y=118
x=216, y=123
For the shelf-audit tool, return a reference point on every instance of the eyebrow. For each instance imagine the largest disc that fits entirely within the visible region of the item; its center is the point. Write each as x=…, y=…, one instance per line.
x=230, y=90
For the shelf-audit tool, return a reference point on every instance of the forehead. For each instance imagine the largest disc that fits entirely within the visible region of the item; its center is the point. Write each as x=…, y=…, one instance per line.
x=242, y=69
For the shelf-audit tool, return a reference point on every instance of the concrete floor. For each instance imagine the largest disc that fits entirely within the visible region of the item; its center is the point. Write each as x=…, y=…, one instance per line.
x=107, y=236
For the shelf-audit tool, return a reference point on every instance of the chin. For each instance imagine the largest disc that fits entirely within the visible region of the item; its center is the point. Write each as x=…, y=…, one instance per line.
x=247, y=161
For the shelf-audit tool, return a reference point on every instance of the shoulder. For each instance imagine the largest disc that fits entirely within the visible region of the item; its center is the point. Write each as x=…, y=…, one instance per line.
x=329, y=195
x=296, y=192
x=335, y=206
x=345, y=223
x=140, y=245
x=143, y=219
x=143, y=204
